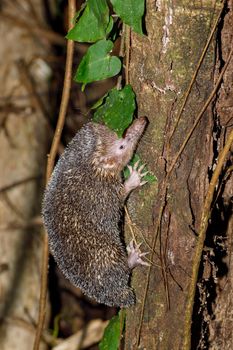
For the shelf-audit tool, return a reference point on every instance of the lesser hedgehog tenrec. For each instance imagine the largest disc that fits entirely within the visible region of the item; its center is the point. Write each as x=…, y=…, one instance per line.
x=82, y=211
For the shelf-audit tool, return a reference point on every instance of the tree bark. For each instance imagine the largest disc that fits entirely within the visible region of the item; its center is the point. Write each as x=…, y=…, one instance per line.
x=161, y=68
x=221, y=325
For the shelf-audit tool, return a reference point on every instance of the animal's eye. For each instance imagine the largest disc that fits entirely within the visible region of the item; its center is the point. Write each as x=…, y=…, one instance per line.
x=121, y=147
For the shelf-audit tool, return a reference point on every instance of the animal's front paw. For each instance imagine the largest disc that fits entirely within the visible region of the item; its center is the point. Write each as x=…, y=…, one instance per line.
x=135, y=255
x=136, y=177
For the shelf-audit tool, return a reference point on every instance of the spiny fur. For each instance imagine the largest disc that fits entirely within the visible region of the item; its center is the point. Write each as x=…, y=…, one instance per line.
x=82, y=210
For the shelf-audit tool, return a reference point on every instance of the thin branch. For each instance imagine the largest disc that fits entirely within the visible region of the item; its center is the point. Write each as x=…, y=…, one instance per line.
x=201, y=239
x=163, y=263
x=50, y=165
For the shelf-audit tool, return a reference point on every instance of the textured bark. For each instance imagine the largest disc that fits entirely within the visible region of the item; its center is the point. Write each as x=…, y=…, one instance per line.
x=221, y=320
x=162, y=65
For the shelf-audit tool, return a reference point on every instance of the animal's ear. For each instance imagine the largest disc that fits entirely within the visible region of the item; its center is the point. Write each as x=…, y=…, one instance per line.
x=110, y=162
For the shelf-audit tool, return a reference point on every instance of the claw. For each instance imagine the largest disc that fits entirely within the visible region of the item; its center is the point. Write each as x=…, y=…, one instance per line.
x=136, y=177
x=130, y=168
x=136, y=164
x=143, y=183
x=144, y=254
x=141, y=167
x=144, y=174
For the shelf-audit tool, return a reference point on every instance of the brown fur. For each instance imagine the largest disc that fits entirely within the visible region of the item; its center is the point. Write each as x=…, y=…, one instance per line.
x=82, y=210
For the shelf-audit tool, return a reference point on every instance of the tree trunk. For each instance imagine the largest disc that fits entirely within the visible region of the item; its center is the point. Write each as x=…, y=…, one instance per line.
x=168, y=212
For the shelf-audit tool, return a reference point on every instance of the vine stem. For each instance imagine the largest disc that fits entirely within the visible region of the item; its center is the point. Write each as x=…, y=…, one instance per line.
x=50, y=166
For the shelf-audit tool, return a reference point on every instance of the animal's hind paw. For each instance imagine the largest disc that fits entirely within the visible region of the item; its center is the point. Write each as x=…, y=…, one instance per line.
x=135, y=255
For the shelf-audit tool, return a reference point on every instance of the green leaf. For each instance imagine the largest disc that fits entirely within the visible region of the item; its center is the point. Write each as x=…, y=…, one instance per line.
x=131, y=12
x=110, y=26
x=94, y=24
x=112, y=334
x=150, y=177
x=118, y=109
x=97, y=64
x=82, y=7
